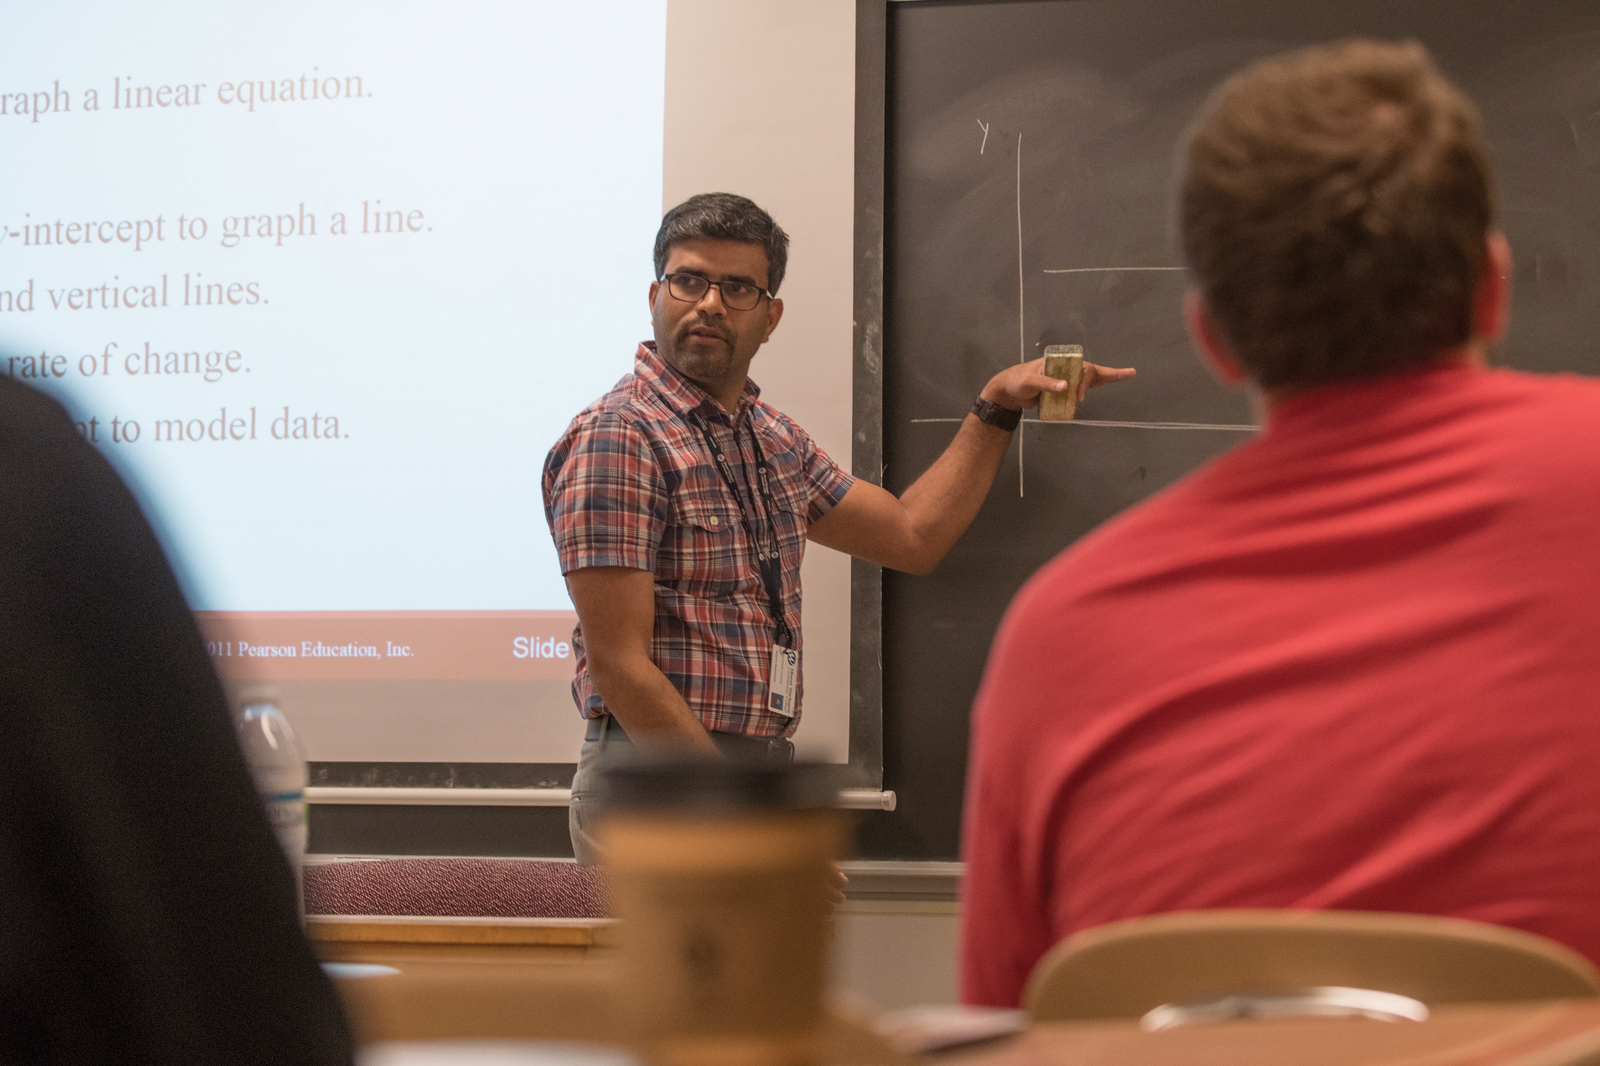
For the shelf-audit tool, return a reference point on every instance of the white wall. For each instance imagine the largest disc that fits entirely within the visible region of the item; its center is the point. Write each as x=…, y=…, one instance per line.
x=897, y=954
x=761, y=102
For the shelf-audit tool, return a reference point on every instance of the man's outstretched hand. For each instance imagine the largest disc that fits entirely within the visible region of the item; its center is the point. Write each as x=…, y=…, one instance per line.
x=1018, y=387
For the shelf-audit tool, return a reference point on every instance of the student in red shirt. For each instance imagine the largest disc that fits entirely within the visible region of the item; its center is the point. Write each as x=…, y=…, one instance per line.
x=1352, y=663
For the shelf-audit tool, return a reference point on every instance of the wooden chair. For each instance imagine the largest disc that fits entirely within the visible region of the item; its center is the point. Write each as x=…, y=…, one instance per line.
x=1126, y=969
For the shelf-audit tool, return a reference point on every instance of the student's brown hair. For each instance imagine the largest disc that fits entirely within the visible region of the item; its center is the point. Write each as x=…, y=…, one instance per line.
x=1334, y=205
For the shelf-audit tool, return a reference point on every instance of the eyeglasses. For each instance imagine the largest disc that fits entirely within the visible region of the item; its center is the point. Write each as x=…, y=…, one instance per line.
x=692, y=288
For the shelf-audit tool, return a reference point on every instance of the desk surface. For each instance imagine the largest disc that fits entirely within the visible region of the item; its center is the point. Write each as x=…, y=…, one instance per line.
x=446, y=991
x=1488, y=1034
x=398, y=941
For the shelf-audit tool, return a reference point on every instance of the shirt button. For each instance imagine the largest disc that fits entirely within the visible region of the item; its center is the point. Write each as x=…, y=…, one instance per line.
x=713, y=519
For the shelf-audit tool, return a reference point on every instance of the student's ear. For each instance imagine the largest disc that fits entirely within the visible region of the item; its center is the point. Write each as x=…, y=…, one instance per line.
x=655, y=287
x=1209, y=344
x=1491, y=300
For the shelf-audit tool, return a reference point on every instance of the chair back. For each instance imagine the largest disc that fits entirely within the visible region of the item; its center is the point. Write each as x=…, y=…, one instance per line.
x=1125, y=969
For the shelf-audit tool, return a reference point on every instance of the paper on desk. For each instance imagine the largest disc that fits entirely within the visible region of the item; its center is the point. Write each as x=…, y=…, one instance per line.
x=915, y=1030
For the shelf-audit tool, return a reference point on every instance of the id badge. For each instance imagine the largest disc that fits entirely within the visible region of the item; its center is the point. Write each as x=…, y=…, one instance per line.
x=781, y=680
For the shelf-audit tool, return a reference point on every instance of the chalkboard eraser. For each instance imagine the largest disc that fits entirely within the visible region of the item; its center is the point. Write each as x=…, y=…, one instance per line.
x=1064, y=361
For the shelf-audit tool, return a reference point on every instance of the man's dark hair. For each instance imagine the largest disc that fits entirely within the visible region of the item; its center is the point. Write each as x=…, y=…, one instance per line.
x=1334, y=205
x=722, y=216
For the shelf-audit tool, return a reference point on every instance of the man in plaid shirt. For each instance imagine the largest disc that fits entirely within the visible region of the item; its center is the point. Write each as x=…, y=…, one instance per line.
x=681, y=505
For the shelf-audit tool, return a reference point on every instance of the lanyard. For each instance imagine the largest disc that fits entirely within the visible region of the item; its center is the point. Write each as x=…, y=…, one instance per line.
x=766, y=552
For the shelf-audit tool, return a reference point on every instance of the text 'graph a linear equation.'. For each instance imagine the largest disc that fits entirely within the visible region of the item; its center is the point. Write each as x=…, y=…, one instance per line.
x=252, y=339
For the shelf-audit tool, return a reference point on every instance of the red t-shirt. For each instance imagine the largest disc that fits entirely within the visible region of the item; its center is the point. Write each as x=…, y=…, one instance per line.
x=1352, y=664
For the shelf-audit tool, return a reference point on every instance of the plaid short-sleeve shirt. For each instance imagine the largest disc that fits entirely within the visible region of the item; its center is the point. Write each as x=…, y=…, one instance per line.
x=630, y=483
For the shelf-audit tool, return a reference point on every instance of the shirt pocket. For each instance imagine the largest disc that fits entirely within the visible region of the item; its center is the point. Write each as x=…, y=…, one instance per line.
x=700, y=551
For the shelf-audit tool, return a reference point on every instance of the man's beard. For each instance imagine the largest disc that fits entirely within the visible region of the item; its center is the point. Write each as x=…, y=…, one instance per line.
x=702, y=363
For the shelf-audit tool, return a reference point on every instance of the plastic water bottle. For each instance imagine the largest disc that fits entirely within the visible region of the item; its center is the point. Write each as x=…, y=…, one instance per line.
x=279, y=768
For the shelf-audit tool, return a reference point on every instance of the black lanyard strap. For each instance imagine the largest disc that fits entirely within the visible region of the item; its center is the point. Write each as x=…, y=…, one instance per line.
x=767, y=559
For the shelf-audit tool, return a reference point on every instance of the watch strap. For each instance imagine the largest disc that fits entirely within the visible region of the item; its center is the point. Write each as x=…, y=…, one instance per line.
x=992, y=414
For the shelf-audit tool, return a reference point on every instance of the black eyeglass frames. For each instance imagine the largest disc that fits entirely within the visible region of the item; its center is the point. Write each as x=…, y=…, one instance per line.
x=692, y=288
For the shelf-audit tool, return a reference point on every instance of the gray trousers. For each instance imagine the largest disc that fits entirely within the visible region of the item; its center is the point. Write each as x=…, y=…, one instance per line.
x=585, y=805
x=585, y=808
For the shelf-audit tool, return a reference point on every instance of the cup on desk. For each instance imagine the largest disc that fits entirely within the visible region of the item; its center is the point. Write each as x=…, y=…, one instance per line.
x=720, y=877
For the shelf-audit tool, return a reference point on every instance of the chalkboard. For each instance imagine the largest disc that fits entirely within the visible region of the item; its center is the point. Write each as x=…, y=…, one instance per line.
x=1029, y=161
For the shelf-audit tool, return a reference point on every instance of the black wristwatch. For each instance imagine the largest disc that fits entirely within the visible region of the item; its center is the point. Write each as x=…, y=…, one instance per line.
x=992, y=414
